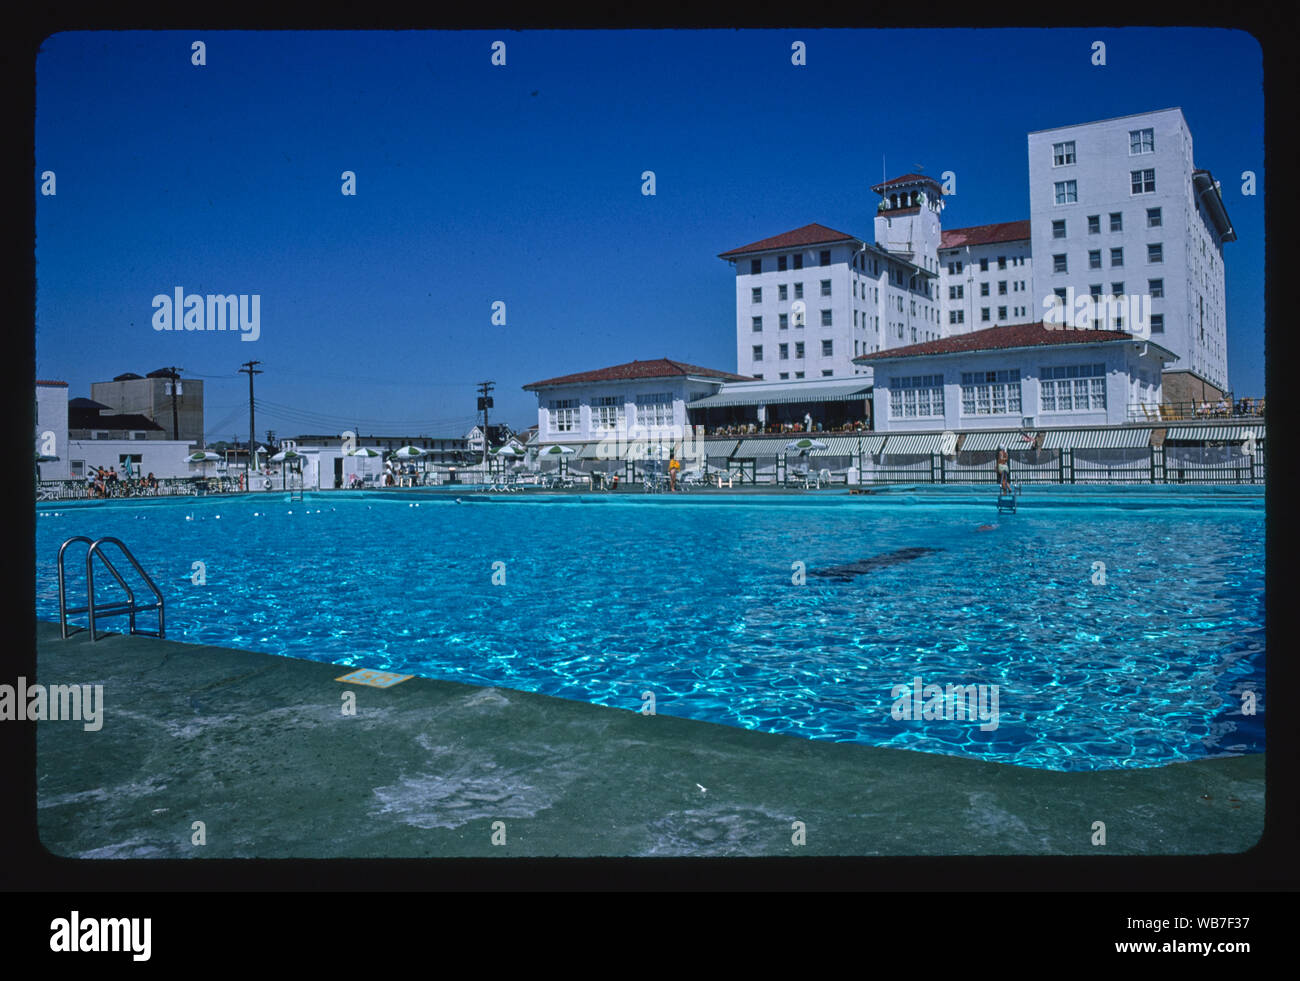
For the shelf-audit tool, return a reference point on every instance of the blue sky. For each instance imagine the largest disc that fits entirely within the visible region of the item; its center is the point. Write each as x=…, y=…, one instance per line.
x=522, y=183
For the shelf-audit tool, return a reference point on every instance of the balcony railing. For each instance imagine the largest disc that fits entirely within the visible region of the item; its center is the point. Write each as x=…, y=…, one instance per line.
x=1244, y=409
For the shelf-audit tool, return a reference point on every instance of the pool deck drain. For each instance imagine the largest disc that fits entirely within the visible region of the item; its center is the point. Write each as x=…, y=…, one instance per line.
x=258, y=748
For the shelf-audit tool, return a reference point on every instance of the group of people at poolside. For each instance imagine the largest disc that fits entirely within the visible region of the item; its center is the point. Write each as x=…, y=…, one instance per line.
x=103, y=483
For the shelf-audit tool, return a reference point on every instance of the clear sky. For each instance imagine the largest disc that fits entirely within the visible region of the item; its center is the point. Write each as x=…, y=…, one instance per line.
x=522, y=183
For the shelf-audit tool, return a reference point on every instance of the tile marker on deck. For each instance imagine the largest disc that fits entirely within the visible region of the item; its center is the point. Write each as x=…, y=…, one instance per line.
x=375, y=679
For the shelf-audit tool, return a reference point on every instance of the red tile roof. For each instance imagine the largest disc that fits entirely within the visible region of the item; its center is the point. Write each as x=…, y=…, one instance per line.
x=813, y=234
x=1003, y=231
x=996, y=338
x=61, y=384
x=905, y=179
x=658, y=368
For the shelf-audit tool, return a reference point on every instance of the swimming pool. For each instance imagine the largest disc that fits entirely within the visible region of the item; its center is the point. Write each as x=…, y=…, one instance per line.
x=698, y=601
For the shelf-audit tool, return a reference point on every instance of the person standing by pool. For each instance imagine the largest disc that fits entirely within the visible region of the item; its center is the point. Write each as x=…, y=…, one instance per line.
x=1004, y=470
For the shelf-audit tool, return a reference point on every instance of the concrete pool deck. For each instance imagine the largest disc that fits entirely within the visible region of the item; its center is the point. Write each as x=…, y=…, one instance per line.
x=257, y=748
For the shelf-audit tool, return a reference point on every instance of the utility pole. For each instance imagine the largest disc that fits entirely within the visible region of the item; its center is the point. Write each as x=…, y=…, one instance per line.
x=173, y=374
x=485, y=403
x=250, y=369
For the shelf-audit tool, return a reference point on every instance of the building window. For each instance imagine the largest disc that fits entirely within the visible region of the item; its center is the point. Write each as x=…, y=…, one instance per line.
x=1072, y=388
x=1058, y=228
x=1062, y=154
x=1143, y=181
x=826, y=287
x=798, y=291
x=755, y=266
x=783, y=292
x=1153, y=217
x=955, y=292
x=1002, y=287
x=784, y=376
x=1002, y=313
x=1094, y=224
x=1157, y=323
x=1094, y=290
x=826, y=257
x=1156, y=287
x=798, y=374
x=798, y=349
x=1117, y=221
x=563, y=415
x=1059, y=292
x=783, y=321
x=826, y=318
x=828, y=373
x=984, y=314
x=954, y=317
x=758, y=324
x=984, y=289
x=986, y=393
x=984, y=264
x=798, y=260
x=758, y=352
x=827, y=349
x=654, y=410
x=1117, y=257
x=1058, y=263
x=607, y=413
x=1141, y=141
x=1066, y=192
x=916, y=397
x=1094, y=258
x=781, y=263
x=1155, y=252
x=783, y=352
x=756, y=295
x=1116, y=289
x=1002, y=262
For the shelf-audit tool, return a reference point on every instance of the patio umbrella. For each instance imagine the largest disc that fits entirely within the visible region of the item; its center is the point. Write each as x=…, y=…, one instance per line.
x=286, y=455
x=204, y=457
x=805, y=444
x=365, y=452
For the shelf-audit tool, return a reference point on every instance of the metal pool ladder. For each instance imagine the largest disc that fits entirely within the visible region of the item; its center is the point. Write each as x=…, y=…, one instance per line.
x=130, y=607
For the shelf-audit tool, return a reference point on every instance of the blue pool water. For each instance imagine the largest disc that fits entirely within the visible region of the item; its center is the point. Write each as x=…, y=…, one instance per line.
x=693, y=600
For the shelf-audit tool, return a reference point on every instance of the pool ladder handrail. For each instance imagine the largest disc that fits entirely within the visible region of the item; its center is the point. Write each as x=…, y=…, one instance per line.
x=129, y=607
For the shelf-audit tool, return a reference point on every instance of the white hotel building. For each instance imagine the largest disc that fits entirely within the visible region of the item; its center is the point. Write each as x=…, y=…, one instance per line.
x=1118, y=207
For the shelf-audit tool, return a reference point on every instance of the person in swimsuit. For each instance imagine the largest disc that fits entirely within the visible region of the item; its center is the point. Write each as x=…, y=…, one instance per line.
x=1004, y=470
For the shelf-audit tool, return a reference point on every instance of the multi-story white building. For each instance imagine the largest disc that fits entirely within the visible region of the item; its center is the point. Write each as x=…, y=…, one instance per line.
x=986, y=277
x=811, y=300
x=1118, y=208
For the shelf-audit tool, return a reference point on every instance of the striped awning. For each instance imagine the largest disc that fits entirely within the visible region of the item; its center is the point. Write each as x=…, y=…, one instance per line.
x=1215, y=434
x=813, y=392
x=761, y=447
x=720, y=447
x=1012, y=439
x=901, y=443
x=1096, y=439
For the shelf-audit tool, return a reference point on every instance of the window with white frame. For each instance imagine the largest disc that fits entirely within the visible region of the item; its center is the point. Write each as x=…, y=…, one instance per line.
x=607, y=413
x=1062, y=154
x=1143, y=181
x=916, y=397
x=1065, y=192
x=1141, y=141
x=654, y=410
x=1072, y=388
x=563, y=415
x=986, y=393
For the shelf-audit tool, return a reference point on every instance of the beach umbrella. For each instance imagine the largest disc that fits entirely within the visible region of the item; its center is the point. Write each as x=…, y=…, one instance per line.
x=365, y=451
x=286, y=455
x=204, y=457
x=805, y=444
x=555, y=449
x=409, y=453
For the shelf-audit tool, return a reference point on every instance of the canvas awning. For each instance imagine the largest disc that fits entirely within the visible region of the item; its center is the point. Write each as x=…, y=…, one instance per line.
x=1012, y=439
x=745, y=394
x=1096, y=439
x=1215, y=434
x=902, y=443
